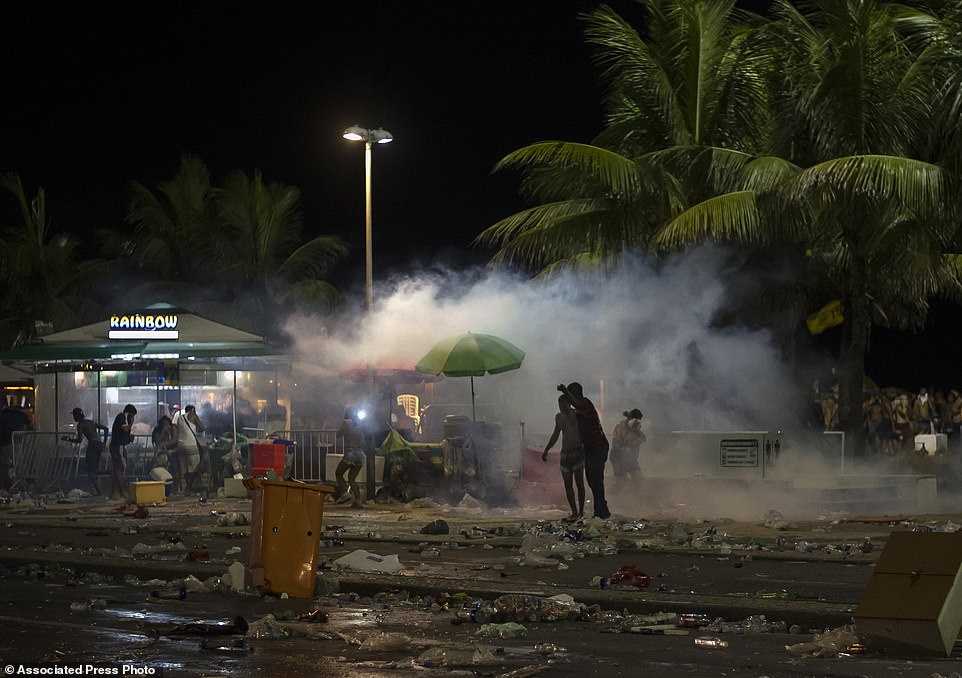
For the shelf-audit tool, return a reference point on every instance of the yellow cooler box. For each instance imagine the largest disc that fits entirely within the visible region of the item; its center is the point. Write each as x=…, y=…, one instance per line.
x=147, y=492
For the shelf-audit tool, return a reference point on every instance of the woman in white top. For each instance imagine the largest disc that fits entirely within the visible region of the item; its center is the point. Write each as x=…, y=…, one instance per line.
x=188, y=452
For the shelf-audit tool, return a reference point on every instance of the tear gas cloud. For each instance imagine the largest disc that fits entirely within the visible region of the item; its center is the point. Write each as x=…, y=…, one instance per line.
x=640, y=337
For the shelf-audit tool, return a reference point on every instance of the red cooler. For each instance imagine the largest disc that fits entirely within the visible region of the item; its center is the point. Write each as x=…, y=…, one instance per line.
x=267, y=456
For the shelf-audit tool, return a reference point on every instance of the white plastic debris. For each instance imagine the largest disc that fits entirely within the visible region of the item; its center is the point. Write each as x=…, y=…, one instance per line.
x=364, y=561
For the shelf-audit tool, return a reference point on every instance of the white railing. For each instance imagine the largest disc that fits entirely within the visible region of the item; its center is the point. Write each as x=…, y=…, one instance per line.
x=310, y=450
x=43, y=461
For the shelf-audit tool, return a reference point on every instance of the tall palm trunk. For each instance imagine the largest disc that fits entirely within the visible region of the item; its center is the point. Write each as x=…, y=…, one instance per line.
x=851, y=377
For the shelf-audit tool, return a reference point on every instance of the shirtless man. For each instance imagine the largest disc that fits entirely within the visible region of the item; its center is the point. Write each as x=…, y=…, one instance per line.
x=572, y=457
x=596, y=446
x=91, y=431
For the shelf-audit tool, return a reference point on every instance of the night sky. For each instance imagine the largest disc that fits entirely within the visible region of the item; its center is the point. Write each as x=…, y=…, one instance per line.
x=100, y=94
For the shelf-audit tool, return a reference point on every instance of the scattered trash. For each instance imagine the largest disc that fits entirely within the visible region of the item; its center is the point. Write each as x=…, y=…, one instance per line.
x=238, y=626
x=523, y=607
x=827, y=644
x=140, y=549
x=436, y=527
x=436, y=657
x=87, y=605
x=852, y=650
x=756, y=623
x=169, y=594
x=270, y=628
x=693, y=620
x=383, y=641
x=629, y=577
x=773, y=593
x=364, y=561
x=710, y=641
x=236, y=577
x=314, y=617
x=503, y=630
x=548, y=649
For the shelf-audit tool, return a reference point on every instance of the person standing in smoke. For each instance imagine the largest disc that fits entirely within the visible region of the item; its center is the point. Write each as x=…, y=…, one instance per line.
x=572, y=457
x=596, y=445
x=626, y=442
x=350, y=465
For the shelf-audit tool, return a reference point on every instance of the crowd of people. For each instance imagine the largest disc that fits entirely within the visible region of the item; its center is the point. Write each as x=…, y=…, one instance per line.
x=180, y=456
x=893, y=417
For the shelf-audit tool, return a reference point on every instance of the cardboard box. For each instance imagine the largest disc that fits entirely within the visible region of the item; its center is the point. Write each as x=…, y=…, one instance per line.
x=147, y=492
x=913, y=602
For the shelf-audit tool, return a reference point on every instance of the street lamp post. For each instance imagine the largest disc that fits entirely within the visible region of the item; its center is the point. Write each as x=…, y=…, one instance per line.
x=369, y=137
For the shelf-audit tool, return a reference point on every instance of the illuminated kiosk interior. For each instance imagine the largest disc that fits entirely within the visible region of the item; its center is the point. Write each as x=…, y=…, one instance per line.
x=156, y=358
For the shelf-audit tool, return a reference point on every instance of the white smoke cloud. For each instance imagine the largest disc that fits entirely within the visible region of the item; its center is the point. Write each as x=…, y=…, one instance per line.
x=640, y=337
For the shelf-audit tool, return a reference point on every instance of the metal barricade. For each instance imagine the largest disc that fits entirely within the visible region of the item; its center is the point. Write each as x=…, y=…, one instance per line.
x=311, y=447
x=43, y=462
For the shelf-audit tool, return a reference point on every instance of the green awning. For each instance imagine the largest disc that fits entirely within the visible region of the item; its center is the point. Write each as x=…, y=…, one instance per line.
x=208, y=349
x=37, y=353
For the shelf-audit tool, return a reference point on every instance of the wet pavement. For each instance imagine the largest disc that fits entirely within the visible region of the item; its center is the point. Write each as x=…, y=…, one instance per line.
x=77, y=577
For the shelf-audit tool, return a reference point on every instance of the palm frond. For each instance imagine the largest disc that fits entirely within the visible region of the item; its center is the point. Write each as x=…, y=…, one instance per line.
x=313, y=258
x=733, y=216
x=615, y=172
x=879, y=177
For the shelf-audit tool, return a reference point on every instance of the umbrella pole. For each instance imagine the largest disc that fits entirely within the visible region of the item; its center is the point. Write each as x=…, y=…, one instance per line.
x=474, y=416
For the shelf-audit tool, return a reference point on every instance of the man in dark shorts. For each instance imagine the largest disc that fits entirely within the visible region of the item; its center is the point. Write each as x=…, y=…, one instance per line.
x=596, y=446
x=352, y=433
x=89, y=430
x=119, y=439
x=572, y=457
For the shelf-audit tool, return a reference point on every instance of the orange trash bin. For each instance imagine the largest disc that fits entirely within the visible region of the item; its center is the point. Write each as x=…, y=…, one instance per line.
x=286, y=524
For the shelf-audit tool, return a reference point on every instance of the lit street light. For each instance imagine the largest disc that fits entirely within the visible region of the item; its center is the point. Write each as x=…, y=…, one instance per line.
x=369, y=137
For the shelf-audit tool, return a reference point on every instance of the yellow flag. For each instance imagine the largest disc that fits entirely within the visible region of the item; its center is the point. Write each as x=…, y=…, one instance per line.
x=829, y=315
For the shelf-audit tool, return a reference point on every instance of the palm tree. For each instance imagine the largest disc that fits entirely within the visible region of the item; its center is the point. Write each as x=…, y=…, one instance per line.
x=685, y=110
x=264, y=256
x=230, y=249
x=43, y=283
x=875, y=219
x=176, y=228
